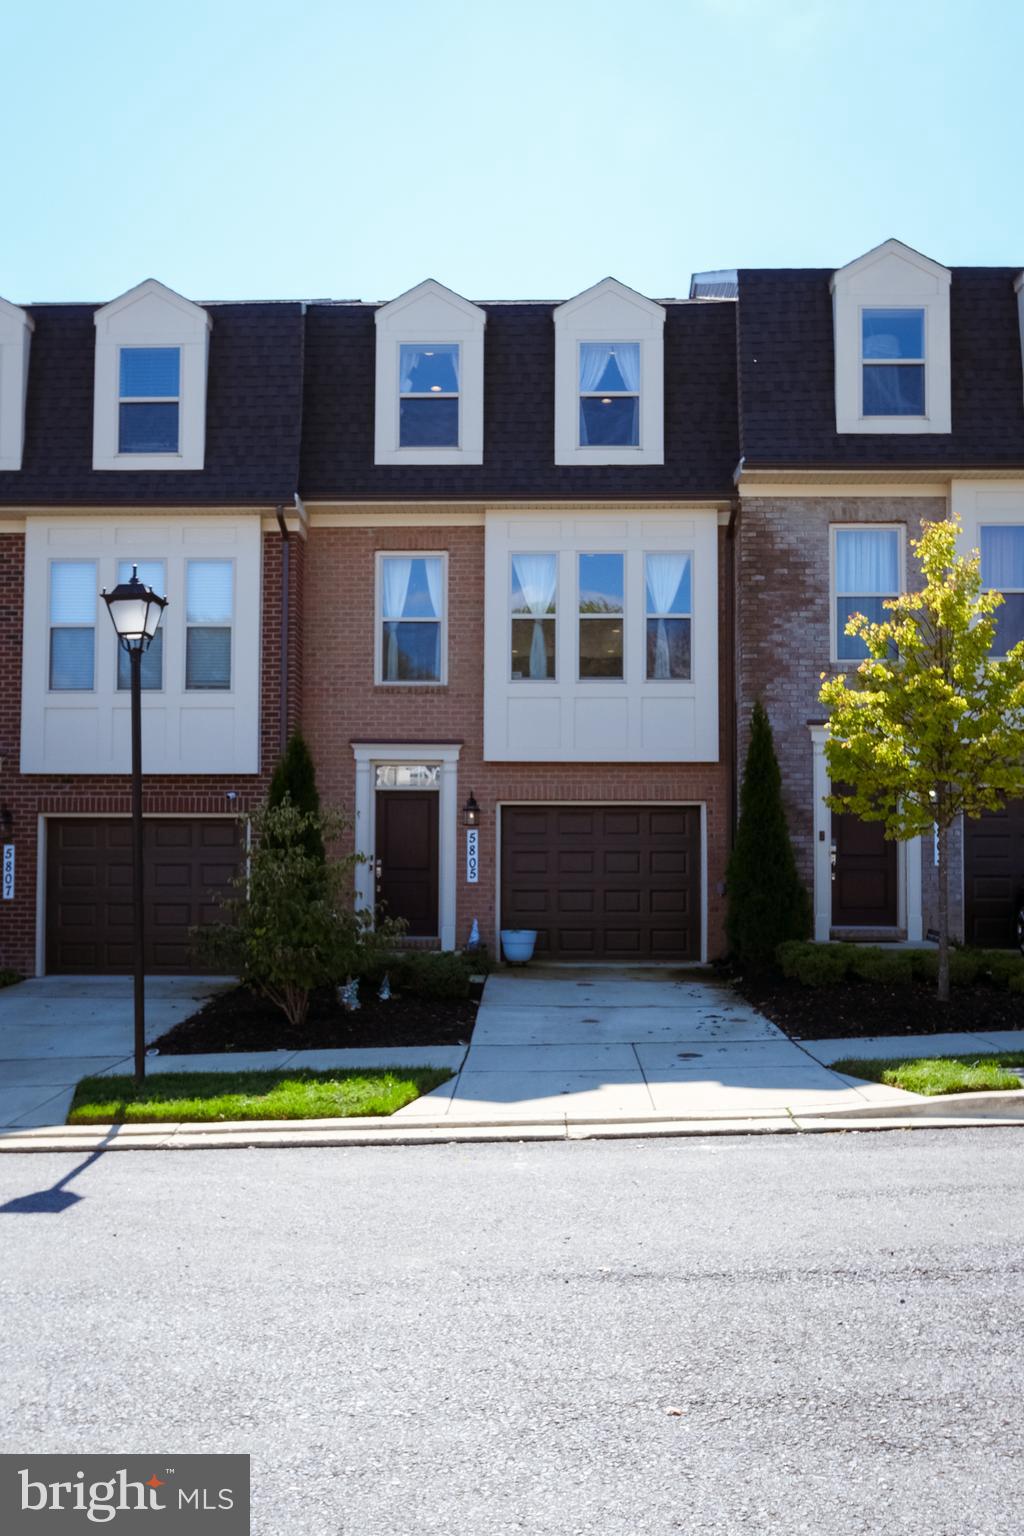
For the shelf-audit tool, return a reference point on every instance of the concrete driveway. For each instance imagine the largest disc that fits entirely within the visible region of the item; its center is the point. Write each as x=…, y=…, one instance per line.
x=633, y=1044
x=57, y=1029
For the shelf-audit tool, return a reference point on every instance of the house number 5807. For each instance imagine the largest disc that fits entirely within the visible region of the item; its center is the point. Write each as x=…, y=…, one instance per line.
x=7, y=879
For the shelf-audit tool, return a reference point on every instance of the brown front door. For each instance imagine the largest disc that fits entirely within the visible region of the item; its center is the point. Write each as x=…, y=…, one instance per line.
x=864, y=882
x=407, y=858
x=603, y=882
x=89, y=891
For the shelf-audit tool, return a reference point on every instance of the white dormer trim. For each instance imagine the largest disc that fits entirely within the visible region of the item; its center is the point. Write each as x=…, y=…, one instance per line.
x=16, y=329
x=892, y=276
x=609, y=311
x=430, y=312
x=151, y=315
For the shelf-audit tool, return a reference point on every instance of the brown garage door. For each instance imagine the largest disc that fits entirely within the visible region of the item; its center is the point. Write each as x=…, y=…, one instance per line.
x=603, y=882
x=993, y=875
x=89, y=891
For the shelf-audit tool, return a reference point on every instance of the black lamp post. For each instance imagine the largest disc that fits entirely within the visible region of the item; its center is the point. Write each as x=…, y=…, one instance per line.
x=136, y=612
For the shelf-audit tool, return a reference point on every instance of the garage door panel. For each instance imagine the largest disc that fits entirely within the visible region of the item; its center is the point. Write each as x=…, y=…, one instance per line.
x=94, y=857
x=993, y=875
x=633, y=869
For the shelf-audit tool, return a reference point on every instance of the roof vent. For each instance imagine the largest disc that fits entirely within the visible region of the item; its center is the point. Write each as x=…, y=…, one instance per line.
x=715, y=285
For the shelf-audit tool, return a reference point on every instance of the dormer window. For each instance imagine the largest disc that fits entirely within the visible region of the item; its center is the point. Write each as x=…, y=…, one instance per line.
x=428, y=409
x=892, y=353
x=149, y=407
x=610, y=393
x=430, y=379
x=609, y=384
x=149, y=400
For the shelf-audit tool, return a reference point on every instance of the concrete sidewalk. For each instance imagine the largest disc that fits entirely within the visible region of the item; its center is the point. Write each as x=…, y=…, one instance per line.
x=555, y=1052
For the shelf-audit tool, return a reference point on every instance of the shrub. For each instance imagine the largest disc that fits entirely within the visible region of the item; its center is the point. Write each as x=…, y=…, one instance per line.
x=9, y=978
x=294, y=779
x=291, y=922
x=814, y=965
x=890, y=967
x=434, y=974
x=1002, y=965
x=768, y=903
x=1016, y=983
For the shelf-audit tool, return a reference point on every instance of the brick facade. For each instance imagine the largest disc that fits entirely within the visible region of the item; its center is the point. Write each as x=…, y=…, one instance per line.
x=342, y=705
x=33, y=795
x=782, y=616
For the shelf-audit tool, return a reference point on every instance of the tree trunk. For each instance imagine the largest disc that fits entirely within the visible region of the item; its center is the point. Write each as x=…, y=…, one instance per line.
x=943, y=900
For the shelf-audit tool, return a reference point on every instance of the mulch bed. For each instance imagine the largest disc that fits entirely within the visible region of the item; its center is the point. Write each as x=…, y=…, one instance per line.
x=240, y=1021
x=852, y=1009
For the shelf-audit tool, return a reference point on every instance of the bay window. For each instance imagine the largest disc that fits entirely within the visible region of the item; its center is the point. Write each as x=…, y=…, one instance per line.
x=73, y=591
x=152, y=574
x=601, y=615
x=669, y=599
x=209, y=618
x=534, y=608
x=1002, y=570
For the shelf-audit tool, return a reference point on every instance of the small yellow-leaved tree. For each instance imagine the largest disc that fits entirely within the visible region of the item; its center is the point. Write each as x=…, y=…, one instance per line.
x=930, y=727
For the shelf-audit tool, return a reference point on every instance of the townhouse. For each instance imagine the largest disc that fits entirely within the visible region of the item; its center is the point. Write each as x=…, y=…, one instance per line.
x=519, y=570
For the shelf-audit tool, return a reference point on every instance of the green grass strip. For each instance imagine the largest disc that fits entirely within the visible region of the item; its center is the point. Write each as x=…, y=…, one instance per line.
x=284, y=1095
x=938, y=1074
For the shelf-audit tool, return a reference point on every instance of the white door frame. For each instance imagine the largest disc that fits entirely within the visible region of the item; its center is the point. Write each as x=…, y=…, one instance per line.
x=908, y=857
x=446, y=755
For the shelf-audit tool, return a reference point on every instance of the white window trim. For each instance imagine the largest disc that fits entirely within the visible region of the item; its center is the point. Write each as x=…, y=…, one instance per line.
x=894, y=362
x=429, y=313
x=610, y=312
x=187, y=624
x=892, y=276
x=379, y=679
x=367, y=756
x=151, y=315
x=147, y=399
x=833, y=593
x=16, y=329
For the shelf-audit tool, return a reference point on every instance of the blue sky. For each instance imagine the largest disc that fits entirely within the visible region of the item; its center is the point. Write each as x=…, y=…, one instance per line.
x=309, y=150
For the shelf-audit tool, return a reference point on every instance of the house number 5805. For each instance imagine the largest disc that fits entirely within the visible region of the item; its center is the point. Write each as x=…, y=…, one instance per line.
x=473, y=855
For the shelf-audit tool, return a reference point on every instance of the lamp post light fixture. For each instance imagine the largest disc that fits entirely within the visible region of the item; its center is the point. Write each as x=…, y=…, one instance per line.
x=471, y=812
x=136, y=611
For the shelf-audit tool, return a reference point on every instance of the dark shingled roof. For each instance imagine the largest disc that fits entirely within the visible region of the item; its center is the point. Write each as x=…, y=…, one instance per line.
x=253, y=416
x=701, y=445
x=787, y=384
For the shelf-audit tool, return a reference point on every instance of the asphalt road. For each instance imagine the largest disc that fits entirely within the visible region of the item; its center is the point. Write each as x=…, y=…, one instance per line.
x=487, y=1339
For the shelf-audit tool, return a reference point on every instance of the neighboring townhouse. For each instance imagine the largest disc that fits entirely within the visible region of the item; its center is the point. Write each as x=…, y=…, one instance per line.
x=154, y=431
x=872, y=398
x=517, y=601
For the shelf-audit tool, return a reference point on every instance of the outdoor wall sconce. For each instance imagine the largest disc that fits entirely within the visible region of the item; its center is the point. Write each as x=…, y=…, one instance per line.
x=471, y=812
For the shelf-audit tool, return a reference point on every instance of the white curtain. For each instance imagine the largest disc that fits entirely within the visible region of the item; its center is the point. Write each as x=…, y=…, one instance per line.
x=397, y=573
x=432, y=571
x=867, y=561
x=1002, y=558
x=537, y=576
x=411, y=357
x=664, y=574
x=594, y=357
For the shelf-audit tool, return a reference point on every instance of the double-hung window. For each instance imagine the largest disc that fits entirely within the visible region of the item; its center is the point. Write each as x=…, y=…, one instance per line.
x=72, y=625
x=669, y=597
x=892, y=362
x=534, y=608
x=149, y=399
x=602, y=613
x=209, y=620
x=1002, y=570
x=609, y=386
x=412, y=612
x=428, y=403
x=152, y=574
x=866, y=565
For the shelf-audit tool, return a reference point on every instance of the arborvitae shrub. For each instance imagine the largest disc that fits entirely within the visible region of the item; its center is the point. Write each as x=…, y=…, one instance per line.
x=295, y=779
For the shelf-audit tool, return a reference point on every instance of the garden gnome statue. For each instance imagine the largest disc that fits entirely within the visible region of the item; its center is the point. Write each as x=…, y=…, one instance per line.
x=348, y=995
x=474, y=936
x=385, y=988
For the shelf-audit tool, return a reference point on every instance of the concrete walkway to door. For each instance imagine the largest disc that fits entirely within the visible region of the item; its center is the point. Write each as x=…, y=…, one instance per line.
x=631, y=1044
